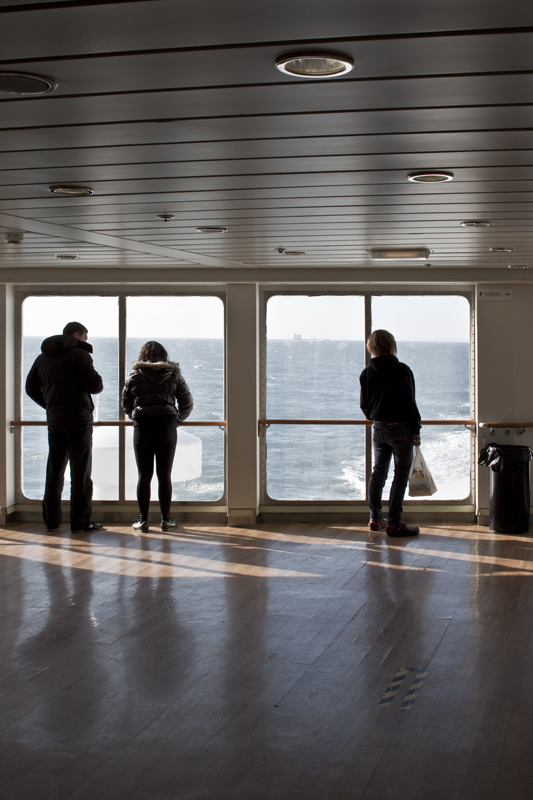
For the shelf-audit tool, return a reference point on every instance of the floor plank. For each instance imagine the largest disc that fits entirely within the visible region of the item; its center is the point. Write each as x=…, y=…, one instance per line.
x=229, y=663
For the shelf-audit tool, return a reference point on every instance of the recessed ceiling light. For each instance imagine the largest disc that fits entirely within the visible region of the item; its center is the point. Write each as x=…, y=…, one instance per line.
x=26, y=84
x=501, y=249
x=477, y=223
x=315, y=65
x=166, y=217
x=211, y=229
x=430, y=176
x=72, y=191
x=411, y=253
x=66, y=257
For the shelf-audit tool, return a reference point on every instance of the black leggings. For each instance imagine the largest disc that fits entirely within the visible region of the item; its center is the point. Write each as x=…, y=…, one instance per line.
x=155, y=436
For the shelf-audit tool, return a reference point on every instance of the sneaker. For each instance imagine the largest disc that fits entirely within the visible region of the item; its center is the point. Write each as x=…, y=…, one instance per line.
x=91, y=526
x=141, y=525
x=401, y=529
x=377, y=524
x=168, y=524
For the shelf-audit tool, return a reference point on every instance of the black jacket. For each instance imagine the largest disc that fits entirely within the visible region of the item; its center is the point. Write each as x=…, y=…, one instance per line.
x=154, y=388
x=62, y=379
x=388, y=392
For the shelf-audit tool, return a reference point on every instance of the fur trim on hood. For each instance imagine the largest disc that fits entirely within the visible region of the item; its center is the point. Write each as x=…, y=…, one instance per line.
x=167, y=366
x=156, y=372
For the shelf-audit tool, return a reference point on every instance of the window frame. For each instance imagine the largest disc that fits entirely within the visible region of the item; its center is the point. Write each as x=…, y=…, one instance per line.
x=121, y=294
x=267, y=502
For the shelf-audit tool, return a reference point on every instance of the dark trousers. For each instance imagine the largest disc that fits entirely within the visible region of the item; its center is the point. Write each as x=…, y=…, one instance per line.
x=390, y=440
x=74, y=443
x=155, y=437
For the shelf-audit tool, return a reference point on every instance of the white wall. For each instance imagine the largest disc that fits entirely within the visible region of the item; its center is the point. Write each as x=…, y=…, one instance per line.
x=7, y=399
x=242, y=402
x=504, y=367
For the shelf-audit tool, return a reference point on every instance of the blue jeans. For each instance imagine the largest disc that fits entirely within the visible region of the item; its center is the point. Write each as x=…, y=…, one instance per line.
x=390, y=439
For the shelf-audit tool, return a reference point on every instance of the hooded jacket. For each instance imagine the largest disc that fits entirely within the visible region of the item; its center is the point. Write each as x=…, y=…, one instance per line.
x=62, y=379
x=154, y=387
x=388, y=392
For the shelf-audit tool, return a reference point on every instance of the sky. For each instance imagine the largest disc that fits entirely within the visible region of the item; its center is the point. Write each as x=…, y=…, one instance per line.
x=341, y=317
x=418, y=319
x=150, y=317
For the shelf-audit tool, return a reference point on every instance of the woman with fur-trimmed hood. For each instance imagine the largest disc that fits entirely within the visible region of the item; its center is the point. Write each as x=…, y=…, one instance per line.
x=149, y=398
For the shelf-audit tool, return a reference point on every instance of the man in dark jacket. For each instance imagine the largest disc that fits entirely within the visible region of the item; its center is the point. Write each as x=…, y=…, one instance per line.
x=388, y=398
x=62, y=380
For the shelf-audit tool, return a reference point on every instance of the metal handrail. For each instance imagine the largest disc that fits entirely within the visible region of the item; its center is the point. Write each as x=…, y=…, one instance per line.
x=519, y=427
x=20, y=423
x=506, y=424
x=266, y=423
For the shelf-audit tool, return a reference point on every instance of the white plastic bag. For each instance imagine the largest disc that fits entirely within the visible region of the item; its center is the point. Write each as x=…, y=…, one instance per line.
x=421, y=484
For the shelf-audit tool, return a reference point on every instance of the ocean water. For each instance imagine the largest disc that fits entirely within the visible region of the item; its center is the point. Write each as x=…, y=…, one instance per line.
x=202, y=364
x=306, y=379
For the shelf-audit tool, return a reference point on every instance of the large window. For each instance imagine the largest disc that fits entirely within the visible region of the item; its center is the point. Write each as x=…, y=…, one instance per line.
x=433, y=335
x=314, y=355
x=192, y=331
x=46, y=316
x=191, y=328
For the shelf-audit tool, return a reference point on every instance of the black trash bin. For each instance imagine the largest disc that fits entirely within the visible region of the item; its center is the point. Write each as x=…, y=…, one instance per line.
x=509, y=486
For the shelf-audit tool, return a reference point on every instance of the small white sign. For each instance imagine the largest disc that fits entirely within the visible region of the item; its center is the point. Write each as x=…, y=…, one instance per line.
x=495, y=294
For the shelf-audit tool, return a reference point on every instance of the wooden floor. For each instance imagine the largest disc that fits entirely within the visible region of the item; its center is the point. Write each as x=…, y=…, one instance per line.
x=222, y=663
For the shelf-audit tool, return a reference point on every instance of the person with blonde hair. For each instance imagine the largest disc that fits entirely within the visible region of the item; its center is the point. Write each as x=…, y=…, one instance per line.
x=388, y=399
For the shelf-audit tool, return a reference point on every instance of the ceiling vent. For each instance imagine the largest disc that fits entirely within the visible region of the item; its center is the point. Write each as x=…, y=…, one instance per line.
x=14, y=237
x=397, y=253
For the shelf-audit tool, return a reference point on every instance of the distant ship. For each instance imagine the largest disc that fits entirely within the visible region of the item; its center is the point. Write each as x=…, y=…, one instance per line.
x=297, y=337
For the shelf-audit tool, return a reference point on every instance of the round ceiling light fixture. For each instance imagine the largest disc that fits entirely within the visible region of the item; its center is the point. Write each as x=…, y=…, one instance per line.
x=501, y=249
x=477, y=223
x=166, y=217
x=211, y=229
x=66, y=257
x=26, y=84
x=315, y=65
x=430, y=176
x=71, y=191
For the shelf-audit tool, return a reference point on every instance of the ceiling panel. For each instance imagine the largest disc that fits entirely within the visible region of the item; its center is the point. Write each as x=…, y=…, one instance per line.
x=373, y=124
x=275, y=99
x=374, y=58
x=58, y=29
x=160, y=108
